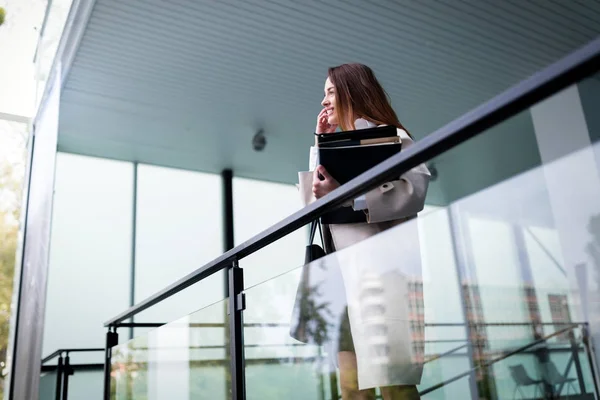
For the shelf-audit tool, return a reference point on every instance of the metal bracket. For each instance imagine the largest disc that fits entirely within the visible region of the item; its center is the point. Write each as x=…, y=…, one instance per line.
x=240, y=303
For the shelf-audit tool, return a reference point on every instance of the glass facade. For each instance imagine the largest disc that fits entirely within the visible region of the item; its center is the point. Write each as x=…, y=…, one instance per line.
x=179, y=229
x=253, y=213
x=90, y=253
x=91, y=263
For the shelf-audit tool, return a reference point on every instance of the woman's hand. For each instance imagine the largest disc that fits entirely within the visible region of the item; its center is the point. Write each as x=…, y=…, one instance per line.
x=322, y=187
x=323, y=125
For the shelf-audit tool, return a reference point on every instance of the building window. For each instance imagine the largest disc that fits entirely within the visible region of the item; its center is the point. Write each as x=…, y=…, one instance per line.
x=559, y=310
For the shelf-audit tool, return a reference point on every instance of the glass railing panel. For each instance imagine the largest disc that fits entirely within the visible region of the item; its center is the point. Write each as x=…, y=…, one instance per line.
x=185, y=359
x=393, y=319
x=278, y=366
x=505, y=255
x=48, y=385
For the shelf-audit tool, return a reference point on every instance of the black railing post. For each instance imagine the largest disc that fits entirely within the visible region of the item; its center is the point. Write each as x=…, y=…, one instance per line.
x=112, y=339
x=68, y=370
x=237, y=304
x=228, y=232
x=228, y=244
x=59, y=369
x=132, y=279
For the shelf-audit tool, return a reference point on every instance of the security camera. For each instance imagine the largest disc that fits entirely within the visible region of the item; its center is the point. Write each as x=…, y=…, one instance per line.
x=259, y=141
x=433, y=171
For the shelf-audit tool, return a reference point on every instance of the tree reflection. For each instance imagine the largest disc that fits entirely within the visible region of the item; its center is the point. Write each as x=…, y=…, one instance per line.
x=314, y=315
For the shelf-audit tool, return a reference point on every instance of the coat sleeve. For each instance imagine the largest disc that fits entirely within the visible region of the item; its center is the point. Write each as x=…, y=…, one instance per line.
x=401, y=198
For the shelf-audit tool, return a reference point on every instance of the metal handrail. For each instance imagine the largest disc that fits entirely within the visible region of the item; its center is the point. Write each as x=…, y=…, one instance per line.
x=59, y=352
x=569, y=70
x=75, y=367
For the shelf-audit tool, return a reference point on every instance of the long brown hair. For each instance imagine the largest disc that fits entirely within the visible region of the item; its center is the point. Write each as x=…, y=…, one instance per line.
x=359, y=94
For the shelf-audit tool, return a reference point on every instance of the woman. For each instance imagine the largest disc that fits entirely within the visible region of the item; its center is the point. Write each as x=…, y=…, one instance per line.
x=354, y=99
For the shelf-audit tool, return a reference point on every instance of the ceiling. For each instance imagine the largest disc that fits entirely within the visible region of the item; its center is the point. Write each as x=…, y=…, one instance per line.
x=186, y=83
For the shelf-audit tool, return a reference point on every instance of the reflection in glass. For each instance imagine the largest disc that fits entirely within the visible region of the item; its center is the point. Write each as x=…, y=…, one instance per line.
x=399, y=334
x=505, y=304
x=505, y=332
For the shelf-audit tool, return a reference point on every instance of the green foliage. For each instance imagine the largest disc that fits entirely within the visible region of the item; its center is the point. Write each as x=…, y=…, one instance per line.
x=8, y=248
x=314, y=314
x=2, y=15
x=9, y=229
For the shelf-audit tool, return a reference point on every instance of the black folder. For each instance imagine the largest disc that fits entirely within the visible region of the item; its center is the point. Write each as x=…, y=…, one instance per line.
x=347, y=162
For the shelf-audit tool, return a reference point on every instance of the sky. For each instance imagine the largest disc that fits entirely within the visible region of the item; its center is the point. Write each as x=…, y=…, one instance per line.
x=18, y=39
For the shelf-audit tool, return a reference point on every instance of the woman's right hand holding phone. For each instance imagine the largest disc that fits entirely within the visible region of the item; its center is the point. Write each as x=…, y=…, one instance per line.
x=323, y=125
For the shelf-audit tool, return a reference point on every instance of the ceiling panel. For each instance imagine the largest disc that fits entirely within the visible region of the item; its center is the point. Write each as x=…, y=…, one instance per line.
x=187, y=83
